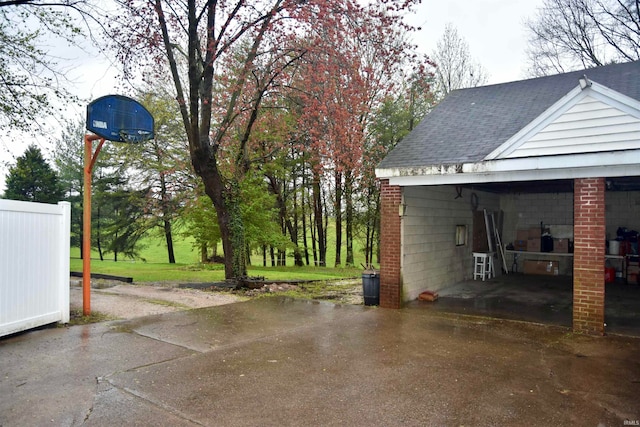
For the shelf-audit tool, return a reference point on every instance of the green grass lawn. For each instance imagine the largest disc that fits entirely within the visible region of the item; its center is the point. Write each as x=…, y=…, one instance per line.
x=153, y=265
x=157, y=272
x=153, y=249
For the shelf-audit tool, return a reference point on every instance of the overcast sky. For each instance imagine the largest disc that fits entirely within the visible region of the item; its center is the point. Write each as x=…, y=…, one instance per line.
x=494, y=30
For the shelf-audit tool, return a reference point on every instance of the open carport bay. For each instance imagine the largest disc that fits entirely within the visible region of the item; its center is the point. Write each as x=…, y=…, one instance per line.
x=541, y=299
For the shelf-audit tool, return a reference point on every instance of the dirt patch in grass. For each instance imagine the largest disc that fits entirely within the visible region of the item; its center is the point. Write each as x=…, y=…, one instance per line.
x=348, y=291
x=117, y=300
x=112, y=300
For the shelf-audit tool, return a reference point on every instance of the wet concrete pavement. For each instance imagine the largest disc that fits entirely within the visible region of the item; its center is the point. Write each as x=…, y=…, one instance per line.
x=540, y=299
x=277, y=361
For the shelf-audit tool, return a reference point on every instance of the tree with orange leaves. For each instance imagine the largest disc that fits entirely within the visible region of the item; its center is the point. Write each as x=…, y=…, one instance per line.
x=251, y=50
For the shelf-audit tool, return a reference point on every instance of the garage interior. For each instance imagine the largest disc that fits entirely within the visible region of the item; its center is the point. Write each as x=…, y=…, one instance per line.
x=528, y=292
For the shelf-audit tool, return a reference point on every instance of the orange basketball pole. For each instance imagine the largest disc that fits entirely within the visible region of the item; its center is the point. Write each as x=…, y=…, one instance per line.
x=89, y=160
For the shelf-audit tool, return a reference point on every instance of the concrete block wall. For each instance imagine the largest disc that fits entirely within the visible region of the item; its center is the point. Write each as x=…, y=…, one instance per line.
x=622, y=210
x=527, y=210
x=522, y=211
x=430, y=258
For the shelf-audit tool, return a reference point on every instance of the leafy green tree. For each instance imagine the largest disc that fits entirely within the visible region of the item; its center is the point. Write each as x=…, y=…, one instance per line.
x=260, y=215
x=124, y=225
x=162, y=166
x=111, y=192
x=30, y=78
x=261, y=42
x=201, y=224
x=258, y=212
x=391, y=121
x=32, y=179
x=68, y=158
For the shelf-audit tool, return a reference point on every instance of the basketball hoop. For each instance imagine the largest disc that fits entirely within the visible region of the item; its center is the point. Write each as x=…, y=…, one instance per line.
x=110, y=118
x=120, y=119
x=135, y=136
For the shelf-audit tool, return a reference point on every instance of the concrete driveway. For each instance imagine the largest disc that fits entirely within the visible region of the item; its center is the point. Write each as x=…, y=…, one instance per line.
x=277, y=361
x=539, y=299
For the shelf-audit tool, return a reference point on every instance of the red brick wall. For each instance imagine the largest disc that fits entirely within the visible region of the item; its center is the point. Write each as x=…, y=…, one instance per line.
x=588, y=258
x=390, y=282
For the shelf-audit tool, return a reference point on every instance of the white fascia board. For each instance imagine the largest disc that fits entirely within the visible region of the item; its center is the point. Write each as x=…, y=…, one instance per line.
x=419, y=171
x=567, y=161
x=610, y=164
x=595, y=90
x=409, y=181
x=615, y=99
x=539, y=123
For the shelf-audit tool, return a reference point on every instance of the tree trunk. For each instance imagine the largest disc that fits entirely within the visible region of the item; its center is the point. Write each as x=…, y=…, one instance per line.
x=166, y=214
x=318, y=219
x=81, y=242
x=314, y=240
x=303, y=214
x=372, y=223
x=203, y=253
x=338, y=213
x=98, y=240
x=227, y=204
x=285, y=222
x=293, y=229
x=168, y=235
x=196, y=113
x=348, y=189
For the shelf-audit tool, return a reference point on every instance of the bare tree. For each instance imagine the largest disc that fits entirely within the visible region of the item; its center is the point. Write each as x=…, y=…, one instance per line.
x=455, y=68
x=570, y=34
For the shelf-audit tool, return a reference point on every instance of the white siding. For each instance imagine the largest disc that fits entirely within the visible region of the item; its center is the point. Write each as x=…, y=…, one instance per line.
x=34, y=264
x=430, y=258
x=589, y=126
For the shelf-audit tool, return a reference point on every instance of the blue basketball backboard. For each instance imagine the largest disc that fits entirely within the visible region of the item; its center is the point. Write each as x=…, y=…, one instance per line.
x=119, y=118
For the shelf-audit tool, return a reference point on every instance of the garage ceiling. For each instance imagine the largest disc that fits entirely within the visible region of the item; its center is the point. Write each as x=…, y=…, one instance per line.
x=553, y=186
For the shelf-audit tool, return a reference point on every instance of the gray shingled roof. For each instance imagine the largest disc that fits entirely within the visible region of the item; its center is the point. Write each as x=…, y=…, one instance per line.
x=470, y=123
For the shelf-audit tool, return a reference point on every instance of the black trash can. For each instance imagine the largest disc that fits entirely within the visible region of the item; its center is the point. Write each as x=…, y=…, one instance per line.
x=371, y=287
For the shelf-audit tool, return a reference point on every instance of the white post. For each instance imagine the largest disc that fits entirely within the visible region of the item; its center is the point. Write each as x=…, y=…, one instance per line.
x=63, y=260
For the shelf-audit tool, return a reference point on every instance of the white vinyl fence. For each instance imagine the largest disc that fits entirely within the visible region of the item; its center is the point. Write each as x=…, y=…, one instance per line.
x=34, y=264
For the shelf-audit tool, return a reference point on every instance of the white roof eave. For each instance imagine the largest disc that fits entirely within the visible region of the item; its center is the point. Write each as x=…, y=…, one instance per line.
x=609, y=164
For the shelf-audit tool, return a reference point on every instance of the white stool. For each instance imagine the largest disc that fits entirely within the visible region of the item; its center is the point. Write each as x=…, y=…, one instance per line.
x=483, y=265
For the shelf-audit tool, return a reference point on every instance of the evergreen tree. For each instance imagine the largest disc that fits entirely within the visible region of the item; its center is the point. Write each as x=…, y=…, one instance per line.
x=68, y=159
x=32, y=179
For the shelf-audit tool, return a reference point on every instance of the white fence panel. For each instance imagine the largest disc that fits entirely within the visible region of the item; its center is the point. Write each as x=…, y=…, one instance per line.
x=34, y=264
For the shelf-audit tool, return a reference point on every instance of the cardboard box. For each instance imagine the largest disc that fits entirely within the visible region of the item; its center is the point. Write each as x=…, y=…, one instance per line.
x=520, y=245
x=632, y=279
x=561, y=246
x=633, y=269
x=533, y=245
x=534, y=233
x=545, y=268
x=522, y=234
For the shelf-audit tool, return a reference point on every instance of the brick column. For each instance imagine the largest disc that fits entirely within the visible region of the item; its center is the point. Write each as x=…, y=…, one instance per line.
x=390, y=282
x=588, y=258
